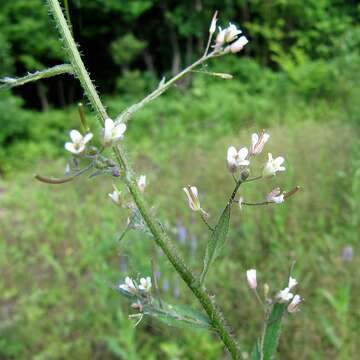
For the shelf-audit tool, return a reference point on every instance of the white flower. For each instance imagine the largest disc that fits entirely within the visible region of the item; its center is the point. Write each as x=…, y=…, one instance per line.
x=227, y=36
x=292, y=282
x=273, y=165
x=115, y=196
x=251, y=278
x=294, y=305
x=78, y=143
x=113, y=132
x=129, y=285
x=258, y=142
x=141, y=183
x=285, y=295
x=235, y=158
x=231, y=33
x=238, y=45
x=145, y=284
x=276, y=196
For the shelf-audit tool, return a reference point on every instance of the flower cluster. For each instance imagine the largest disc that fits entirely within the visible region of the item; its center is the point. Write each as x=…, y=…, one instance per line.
x=130, y=286
x=229, y=39
x=112, y=132
x=237, y=159
x=284, y=296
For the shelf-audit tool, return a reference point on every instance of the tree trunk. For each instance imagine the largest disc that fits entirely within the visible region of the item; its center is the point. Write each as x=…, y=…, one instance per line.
x=41, y=90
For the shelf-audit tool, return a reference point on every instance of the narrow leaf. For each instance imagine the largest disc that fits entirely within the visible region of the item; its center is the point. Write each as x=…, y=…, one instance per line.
x=216, y=241
x=256, y=353
x=272, y=331
x=178, y=316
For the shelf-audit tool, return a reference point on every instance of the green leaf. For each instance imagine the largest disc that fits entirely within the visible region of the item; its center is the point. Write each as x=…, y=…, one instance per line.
x=272, y=331
x=178, y=315
x=256, y=353
x=216, y=241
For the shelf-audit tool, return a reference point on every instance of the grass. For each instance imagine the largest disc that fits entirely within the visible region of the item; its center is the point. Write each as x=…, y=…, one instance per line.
x=60, y=255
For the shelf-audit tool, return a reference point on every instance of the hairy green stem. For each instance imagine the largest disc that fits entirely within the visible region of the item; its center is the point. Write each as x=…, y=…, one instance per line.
x=161, y=238
x=75, y=59
x=7, y=83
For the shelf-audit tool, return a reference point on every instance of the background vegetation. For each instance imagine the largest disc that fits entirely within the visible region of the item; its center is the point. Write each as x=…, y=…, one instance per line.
x=59, y=254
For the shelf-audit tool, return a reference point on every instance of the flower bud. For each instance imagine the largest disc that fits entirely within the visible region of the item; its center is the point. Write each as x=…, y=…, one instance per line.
x=251, y=278
x=244, y=174
x=212, y=28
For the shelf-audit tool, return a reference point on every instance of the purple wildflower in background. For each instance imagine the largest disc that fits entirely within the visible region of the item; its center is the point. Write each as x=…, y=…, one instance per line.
x=347, y=253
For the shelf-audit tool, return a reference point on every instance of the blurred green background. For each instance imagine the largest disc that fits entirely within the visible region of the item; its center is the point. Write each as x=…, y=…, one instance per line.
x=299, y=78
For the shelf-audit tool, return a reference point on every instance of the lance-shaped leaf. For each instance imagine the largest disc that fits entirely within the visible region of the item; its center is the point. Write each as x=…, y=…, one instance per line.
x=216, y=241
x=269, y=342
x=178, y=315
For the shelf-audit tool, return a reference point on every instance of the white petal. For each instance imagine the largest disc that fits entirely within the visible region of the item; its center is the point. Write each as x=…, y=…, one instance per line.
x=231, y=153
x=87, y=138
x=266, y=137
x=75, y=136
x=119, y=130
x=281, y=168
x=279, y=160
x=70, y=147
x=108, y=128
x=194, y=190
x=243, y=152
x=244, y=162
x=270, y=158
x=254, y=139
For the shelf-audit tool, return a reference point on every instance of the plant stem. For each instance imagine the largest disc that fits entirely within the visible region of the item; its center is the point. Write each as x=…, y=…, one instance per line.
x=8, y=83
x=161, y=238
x=205, y=222
x=130, y=111
x=75, y=59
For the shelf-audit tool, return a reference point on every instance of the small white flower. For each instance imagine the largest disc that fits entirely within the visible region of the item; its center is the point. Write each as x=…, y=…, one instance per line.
x=292, y=282
x=129, y=285
x=285, y=295
x=276, y=196
x=231, y=33
x=141, y=183
x=273, y=165
x=251, y=278
x=78, y=143
x=294, y=305
x=115, y=196
x=238, y=45
x=112, y=131
x=235, y=158
x=145, y=284
x=258, y=142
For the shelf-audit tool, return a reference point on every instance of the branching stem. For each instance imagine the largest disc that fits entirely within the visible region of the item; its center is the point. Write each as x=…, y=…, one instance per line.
x=130, y=111
x=216, y=318
x=8, y=83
